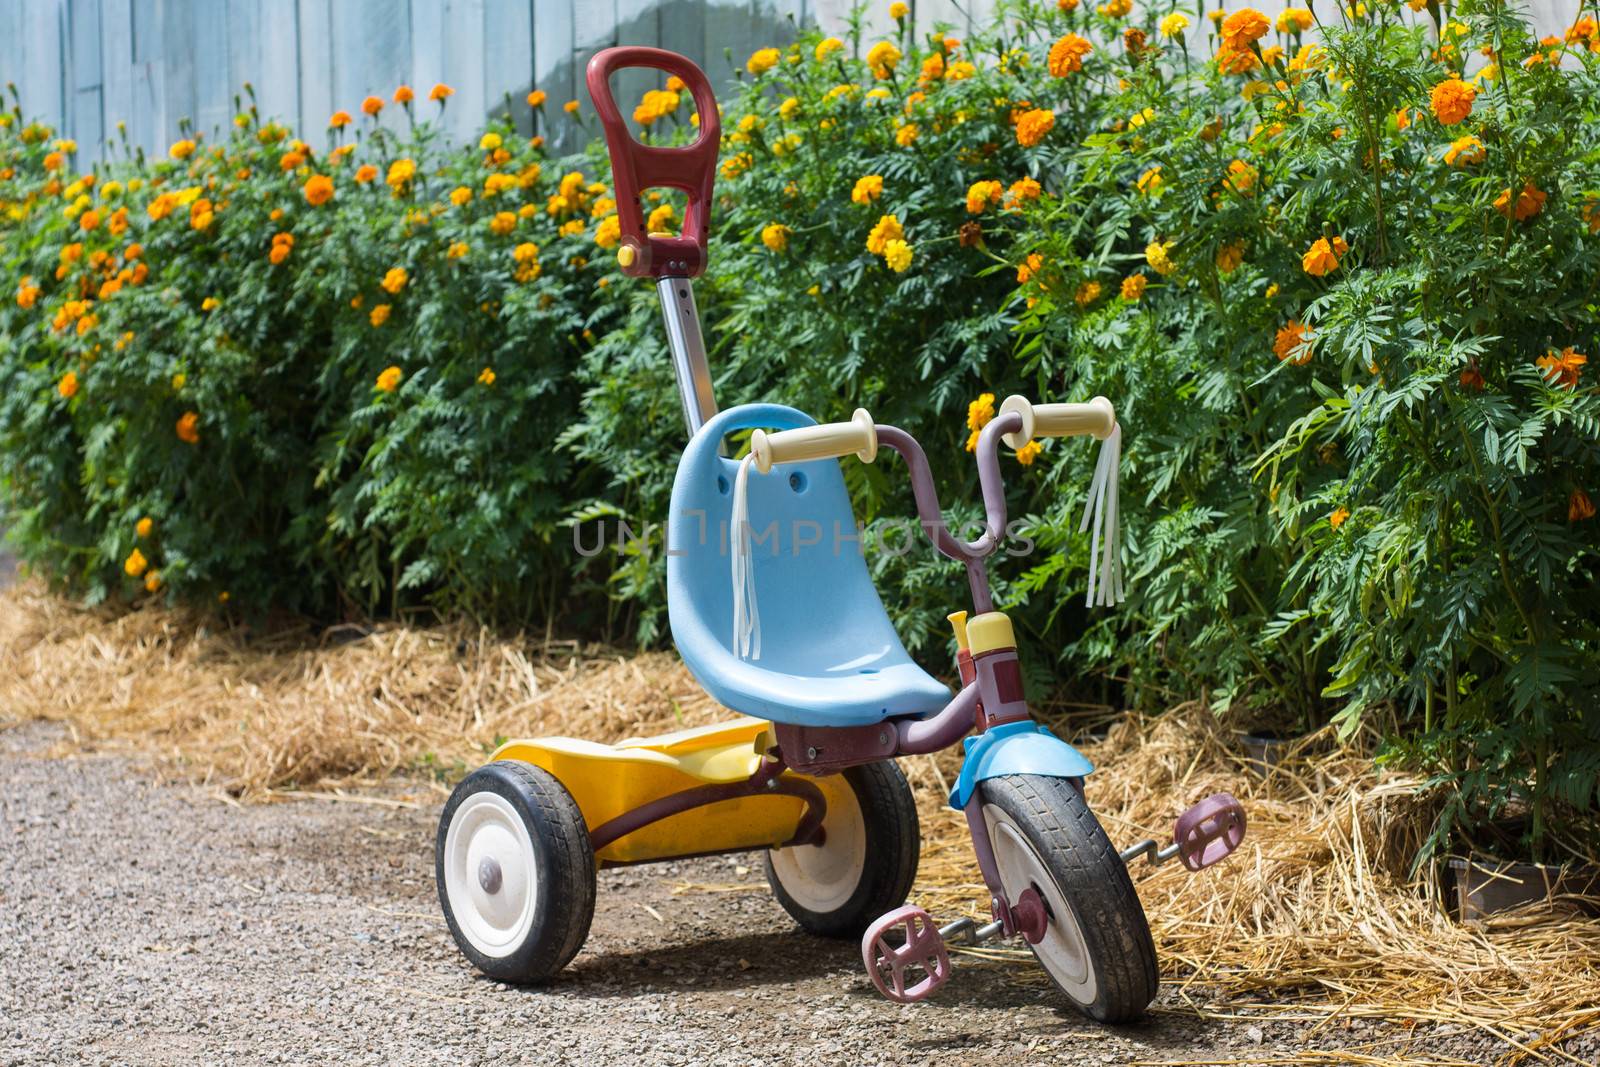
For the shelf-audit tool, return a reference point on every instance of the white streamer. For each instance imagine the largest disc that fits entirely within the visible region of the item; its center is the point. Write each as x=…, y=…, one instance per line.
x=746, y=617
x=1105, y=549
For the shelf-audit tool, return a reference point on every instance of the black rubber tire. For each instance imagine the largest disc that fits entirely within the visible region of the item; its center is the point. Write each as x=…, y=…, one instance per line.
x=1057, y=822
x=565, y=868
x=894, y=845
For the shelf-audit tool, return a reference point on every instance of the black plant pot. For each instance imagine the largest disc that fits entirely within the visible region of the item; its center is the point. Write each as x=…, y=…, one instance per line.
x=1263, y=752
x=1485, y=887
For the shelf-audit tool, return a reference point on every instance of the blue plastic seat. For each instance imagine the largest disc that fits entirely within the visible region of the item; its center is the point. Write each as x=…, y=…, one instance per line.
x=829, y=656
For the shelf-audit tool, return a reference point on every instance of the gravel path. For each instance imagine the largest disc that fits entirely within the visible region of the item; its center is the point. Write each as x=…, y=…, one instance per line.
x=143, y=923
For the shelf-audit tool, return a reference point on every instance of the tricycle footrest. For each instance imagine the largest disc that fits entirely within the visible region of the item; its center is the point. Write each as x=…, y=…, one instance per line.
x=1209, y=832
x=894, y=968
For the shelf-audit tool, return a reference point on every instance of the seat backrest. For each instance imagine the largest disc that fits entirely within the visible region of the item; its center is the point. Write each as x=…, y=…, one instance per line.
x=819, y=610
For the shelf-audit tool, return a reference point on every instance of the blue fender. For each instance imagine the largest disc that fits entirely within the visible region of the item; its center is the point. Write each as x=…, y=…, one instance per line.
x=1015, y=748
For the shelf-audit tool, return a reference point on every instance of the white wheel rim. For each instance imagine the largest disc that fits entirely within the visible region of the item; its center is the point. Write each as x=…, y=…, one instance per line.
x=490, y=874
x=822, y=878
x=1062, y=951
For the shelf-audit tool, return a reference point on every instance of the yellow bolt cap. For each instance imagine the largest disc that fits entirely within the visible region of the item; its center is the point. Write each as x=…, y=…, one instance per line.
x=626, y=255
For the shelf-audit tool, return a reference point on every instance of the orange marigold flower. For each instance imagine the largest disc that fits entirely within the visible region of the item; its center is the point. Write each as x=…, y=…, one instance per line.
x=1336, y=520
x=503, y=223
x=1243, y=27
x=1232, y=60
x=1022, y=190
x=867, y=189
x=1323, y=256
x=389, y=380
x=340, y=120
x=1529, y=202
x=1452, y=100
x=980, y=412
x=1029, y=452
x=188, y=428
x=135, y=564
x=1472, y=378
x=1464, y=150
x=441, y=93
x=318, y=189
x=404, y=95
x=1293, y=342
x=68, y=385
x=366, y=174
x=89, y=220
x=372, y=105
x=1087, y=294
x=379, y=314
x=1033, y=126
x=395, y=280
x=1579, y=506
x=1133, y=287
x=290, y=161
x=145, y=526
x=27, y=294
x=1067, y=55
x=1563, y=368
x=181, y=149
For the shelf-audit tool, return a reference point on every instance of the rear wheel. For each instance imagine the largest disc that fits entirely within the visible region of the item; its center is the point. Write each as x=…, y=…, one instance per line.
x=866, y=862
x=515, y=871
x=1097, y=946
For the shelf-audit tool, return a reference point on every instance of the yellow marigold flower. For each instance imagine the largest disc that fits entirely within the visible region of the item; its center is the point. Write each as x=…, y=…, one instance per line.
x=972, y=441
x=1174, y=24
x=898, y=10
x=897, y=254
x=502, y=223
x=1562, y=368
x=318, y=189
x=179, y=380
x=762, y=60
x=489, y=141
x=395, y=280
x=457, y=250
x=372, y=105
x=609, y=232
x=1150, y=181
x=1243, y=27
x=1033, y=126
x=526, y=252
x=1028, y=453
x=68, y=385
x=379, y=314
x=1295, y=20
x=1323, y=256
x=144, y=526
x=1159, y=256
x=882, y=58
x=1229, y=256
x=980, y=412
x=1336, y=519
x=867, y=189
x=885, y=230
x=1464, y=150
x=401, y=171
x=959, y=71
x=827, y=47
x=981, y=195
x=660, y=220
x=460, y=196
x=210, y=303
x=1293, y=341
x=1087, y=293
x=1067, y=55
x=905, y=135
x=775, y=236
x=1133, y=287
x=135, y=564
x=188, y=428
x=389, y=380
x=1452, y=100
x=787, y=109
x=1529, y=202
x=1579, y=506
x=181, y=149
x=486, y=376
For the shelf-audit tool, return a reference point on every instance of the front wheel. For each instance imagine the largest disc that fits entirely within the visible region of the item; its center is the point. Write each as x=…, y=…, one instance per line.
x=1096, y=947
x=866, y=862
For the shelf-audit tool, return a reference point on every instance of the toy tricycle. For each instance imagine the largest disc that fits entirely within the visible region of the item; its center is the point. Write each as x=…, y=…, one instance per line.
x=795, y=639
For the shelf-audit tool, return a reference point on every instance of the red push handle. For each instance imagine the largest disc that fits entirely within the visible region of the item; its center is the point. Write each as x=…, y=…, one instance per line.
x=637, y=167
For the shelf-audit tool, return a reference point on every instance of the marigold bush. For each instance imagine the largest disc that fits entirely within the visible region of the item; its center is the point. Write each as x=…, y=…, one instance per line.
x=1337, y=270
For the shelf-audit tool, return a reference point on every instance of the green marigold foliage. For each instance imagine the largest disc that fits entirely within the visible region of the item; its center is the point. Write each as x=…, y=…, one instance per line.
x=1337, y=271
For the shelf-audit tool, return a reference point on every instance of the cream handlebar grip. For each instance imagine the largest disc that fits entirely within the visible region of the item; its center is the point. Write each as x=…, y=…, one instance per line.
x=1096, y=418
x=859, y=436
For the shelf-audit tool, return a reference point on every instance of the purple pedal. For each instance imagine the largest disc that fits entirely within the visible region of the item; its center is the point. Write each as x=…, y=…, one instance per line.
x=889, y=966
x=1209, y=832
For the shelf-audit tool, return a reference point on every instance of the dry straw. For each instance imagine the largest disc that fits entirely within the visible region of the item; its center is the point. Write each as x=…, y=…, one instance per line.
x=1314, y=917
